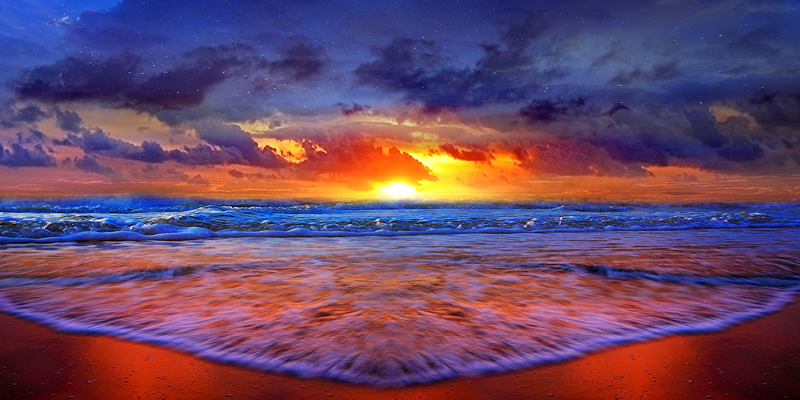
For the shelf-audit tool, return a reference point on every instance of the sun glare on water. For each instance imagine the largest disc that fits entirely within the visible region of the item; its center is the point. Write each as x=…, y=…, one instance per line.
x=397, y=190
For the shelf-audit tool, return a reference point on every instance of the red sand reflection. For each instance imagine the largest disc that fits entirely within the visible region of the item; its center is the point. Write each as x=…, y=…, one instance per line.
x=756, y=360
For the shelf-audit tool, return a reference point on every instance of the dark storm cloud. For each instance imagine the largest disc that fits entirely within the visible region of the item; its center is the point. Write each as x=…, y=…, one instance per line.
x=775, y=109
x=765, y=98
x=356, y=109
x=101, y=143
x=741, y=149
x=69, y=121
x=11, y=117
x=20, y=156
x=704, y=129
x=127, y=81
x=299, y=59
x=207, y=155
x=643, y=78
x=417, y=69
x=30, y=114
x=657, y=72
x=640, y=149
x=188, y=83
x=549, y=110
x=119, y=81
x=82, y=77
x=616, y=108
x=629, y=143
x=571, y=157
x=230, y=136
x=90, y=164
x=32, y=136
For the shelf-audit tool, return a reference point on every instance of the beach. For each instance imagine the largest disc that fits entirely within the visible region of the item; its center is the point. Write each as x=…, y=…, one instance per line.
x=400, y=200
x=758, y=359
x=414, y=302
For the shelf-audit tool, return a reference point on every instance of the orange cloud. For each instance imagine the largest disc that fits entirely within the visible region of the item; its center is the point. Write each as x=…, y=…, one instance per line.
x=357, y=160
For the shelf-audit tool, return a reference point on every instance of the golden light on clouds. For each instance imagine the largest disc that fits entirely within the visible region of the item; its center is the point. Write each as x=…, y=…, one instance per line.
x=289, y=150
x=722, y=113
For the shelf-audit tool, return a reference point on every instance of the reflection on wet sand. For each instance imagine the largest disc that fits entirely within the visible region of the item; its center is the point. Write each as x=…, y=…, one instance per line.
x=759, y=359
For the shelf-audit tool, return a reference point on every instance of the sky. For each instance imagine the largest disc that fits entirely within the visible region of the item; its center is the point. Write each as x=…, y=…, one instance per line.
x=670, y=100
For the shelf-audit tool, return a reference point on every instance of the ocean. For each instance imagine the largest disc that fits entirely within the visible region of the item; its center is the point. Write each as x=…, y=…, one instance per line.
x=393, y=293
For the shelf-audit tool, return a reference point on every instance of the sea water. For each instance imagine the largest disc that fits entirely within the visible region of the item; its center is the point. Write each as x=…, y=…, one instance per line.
x=393, y=294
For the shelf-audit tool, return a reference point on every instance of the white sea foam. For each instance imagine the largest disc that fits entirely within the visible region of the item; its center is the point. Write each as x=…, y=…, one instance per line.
x=42, y=223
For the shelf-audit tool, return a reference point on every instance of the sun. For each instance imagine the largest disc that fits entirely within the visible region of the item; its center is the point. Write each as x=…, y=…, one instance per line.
x=397, y=190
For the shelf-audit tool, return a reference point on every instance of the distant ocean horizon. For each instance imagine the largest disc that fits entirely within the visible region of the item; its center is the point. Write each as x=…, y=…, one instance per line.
x=393, y=293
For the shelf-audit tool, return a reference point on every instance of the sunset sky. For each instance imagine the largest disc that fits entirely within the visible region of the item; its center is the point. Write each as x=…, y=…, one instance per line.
x=670, y=100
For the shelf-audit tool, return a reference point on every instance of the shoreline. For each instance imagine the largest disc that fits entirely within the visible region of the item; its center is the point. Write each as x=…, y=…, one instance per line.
x=757, y=359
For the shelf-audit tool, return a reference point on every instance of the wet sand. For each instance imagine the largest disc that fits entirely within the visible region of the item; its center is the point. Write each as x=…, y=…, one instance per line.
x=759, y=359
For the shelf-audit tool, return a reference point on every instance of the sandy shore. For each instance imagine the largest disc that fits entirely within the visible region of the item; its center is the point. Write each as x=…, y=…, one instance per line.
x=756, y=360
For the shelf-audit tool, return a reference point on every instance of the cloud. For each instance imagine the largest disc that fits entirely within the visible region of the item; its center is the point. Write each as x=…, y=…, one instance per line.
x=356, y=109
x=19, y=156
x=571, y=157
x=207, y=155
x=257, y=176
x=33, y=136
x=30, y=114
x=300, y=59
x=357, y=160
x=616, y=108
x=704, y=128
x=68, y=121
x=743, y=52
x=173, y=92
x=120, y=81
x=82, y=77
x=643, y=149
x=616, y=47
x=415, y=68
x=473, y=154
x=685, y=178
x=657, y=72
x=231, y=136
x=353, y=160
x=775, y=109
x=198, y=180
x=99, y=142
x=90, y=164
x=741, y=149
x=547, y=110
